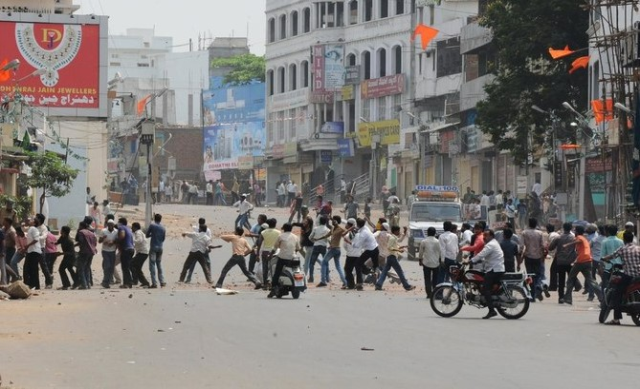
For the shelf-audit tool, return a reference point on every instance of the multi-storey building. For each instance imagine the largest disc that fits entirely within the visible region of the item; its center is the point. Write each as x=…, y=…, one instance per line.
x=338, y=81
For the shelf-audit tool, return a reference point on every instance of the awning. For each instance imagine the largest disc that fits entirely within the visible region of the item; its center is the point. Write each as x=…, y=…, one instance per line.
x=438, y=127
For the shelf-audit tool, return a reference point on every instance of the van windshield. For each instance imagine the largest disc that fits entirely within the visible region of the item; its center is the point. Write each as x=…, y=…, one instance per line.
x=435, y=212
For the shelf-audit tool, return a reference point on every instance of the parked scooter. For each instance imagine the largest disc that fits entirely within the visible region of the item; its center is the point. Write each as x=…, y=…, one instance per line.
x=292, y=279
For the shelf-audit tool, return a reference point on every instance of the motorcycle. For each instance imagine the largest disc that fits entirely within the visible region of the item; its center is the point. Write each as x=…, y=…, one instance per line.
x=292, y=279
x=510, y=297
x=630, y=299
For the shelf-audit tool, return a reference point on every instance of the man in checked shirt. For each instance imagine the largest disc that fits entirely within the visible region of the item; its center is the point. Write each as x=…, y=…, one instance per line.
x=630, y=254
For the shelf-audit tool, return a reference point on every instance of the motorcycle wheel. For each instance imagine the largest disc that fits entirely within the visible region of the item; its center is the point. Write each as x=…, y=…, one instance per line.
x=517, y=305
x=295, y=293
x=604, y=313
x=446, y=301
x=636, y=319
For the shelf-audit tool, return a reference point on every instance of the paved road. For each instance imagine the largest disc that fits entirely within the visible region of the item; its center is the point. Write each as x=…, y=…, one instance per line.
x=186, y=336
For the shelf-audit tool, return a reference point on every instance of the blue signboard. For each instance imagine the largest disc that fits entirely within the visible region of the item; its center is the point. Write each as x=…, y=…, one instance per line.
x=332, y=128
x=234, y=125
x=326, y=157
x=345, y=148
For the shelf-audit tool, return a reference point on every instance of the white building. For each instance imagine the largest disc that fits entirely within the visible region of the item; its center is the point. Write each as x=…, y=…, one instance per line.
x=147, y=64
x=314, y=112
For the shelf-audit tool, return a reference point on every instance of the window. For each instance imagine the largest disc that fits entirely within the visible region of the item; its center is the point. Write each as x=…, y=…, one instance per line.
x=366, y=65
x=384, y=9
x=270, y=82
x=399, y=7
x=397, y=60
x=351, y=60
x=353, y=12
x=381, y=108
x=382, y=63
x=339, y=14
x=291, y=124
x=304, y=70
x=294, y=23
x=272, y=30
x=306, y=16
x=368, y=10
x=270, y=127
x=366, y=110
x=281, y=80
x=449, y=58
x=280, y=125
x=283, y=26
x=293, y=77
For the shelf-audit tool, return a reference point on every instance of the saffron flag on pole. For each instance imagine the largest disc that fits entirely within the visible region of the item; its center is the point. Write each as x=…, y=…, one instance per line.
x=426, y=34
x=5, y=75
x=581, y=62
x=560, y=53
x=602, y=111
x=142, y=104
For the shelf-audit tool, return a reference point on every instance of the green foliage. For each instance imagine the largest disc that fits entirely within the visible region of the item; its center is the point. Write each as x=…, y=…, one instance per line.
x=22, y=204
x=523, y=32
x=50, y=173
x=243, y=69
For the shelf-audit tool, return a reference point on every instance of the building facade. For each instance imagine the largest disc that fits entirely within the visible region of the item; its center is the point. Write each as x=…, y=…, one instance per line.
x=338, y=79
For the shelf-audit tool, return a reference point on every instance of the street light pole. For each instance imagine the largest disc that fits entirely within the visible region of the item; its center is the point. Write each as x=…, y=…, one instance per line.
x=147, y=138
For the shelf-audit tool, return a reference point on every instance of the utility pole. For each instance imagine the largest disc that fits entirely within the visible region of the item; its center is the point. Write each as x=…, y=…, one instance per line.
x=147, y=138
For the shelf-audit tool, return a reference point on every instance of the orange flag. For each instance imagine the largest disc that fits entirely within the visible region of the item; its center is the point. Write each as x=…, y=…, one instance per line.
x=426, y=34
x=603, y=111
x=578, y=63
x=556, y=54
x=5, y=75
x=143, y=103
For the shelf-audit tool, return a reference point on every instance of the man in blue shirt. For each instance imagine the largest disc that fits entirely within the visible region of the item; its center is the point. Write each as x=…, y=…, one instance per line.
x=609, y=246
x=157, y=233
x=125, y=245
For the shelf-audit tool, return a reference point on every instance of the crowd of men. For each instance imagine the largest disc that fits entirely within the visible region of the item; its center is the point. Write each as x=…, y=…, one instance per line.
x=370, y=250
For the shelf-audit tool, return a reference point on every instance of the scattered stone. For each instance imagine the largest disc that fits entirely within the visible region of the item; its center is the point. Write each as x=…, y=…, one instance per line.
x=367, y=349
x=131, y=296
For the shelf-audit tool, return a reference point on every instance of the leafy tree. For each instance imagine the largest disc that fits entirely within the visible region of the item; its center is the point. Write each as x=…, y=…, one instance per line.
x=523, y=31
x=51, y=174
x=243, y=69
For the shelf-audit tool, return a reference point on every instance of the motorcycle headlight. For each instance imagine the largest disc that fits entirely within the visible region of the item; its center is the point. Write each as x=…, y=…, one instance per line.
x=417, y=234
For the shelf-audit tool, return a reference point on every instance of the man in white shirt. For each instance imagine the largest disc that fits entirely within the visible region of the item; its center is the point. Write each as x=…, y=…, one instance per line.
x=287, y=245
x=449, y=249
x=319, y=237
x=201, y=243
x=108, y=238
x=32, y=259
x=365, y=241
x=485, y=201
x=292, y=189
x=429, y=254
x=493, y=264
x=353, y=253
x=465, y=235
x=281, y=190
x=537, y=188
x=141, y=245
x=209, y=193
x=244, y=207
x=44, y=233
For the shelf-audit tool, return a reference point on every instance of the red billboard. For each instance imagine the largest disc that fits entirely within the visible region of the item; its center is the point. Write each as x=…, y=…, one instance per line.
x=383, y=86
x=66, y=58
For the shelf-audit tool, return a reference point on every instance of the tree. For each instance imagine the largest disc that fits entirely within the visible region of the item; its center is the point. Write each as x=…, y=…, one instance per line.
x=243, y=69
x=51, y=174
x=523, y=31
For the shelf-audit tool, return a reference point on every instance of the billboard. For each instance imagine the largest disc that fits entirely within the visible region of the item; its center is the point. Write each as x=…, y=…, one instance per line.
x=383, y=86
x=388, y=132
x=234, y=130
x=328, y=72
x=63, y=62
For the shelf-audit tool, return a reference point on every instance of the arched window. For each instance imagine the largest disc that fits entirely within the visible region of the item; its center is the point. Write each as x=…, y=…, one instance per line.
x=368, y=10
x=396, y=60
x=382, y=62
x=384, y=9
x=293, y=77
x=351, y=60
x=353, y=12
x=399, y=7
x=366, y=65
x=281, y=80
x=294, y=23
x=283, y=26
x=306, y=16
x=272, y=30
x=270, y=82
x=304, y=70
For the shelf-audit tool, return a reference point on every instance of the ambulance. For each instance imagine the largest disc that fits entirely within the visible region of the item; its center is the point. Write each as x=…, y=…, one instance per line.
x=433, y=205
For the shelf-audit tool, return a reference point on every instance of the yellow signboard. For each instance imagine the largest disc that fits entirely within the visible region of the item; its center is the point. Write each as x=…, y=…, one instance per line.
x=348, y=93
x=387, y=130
